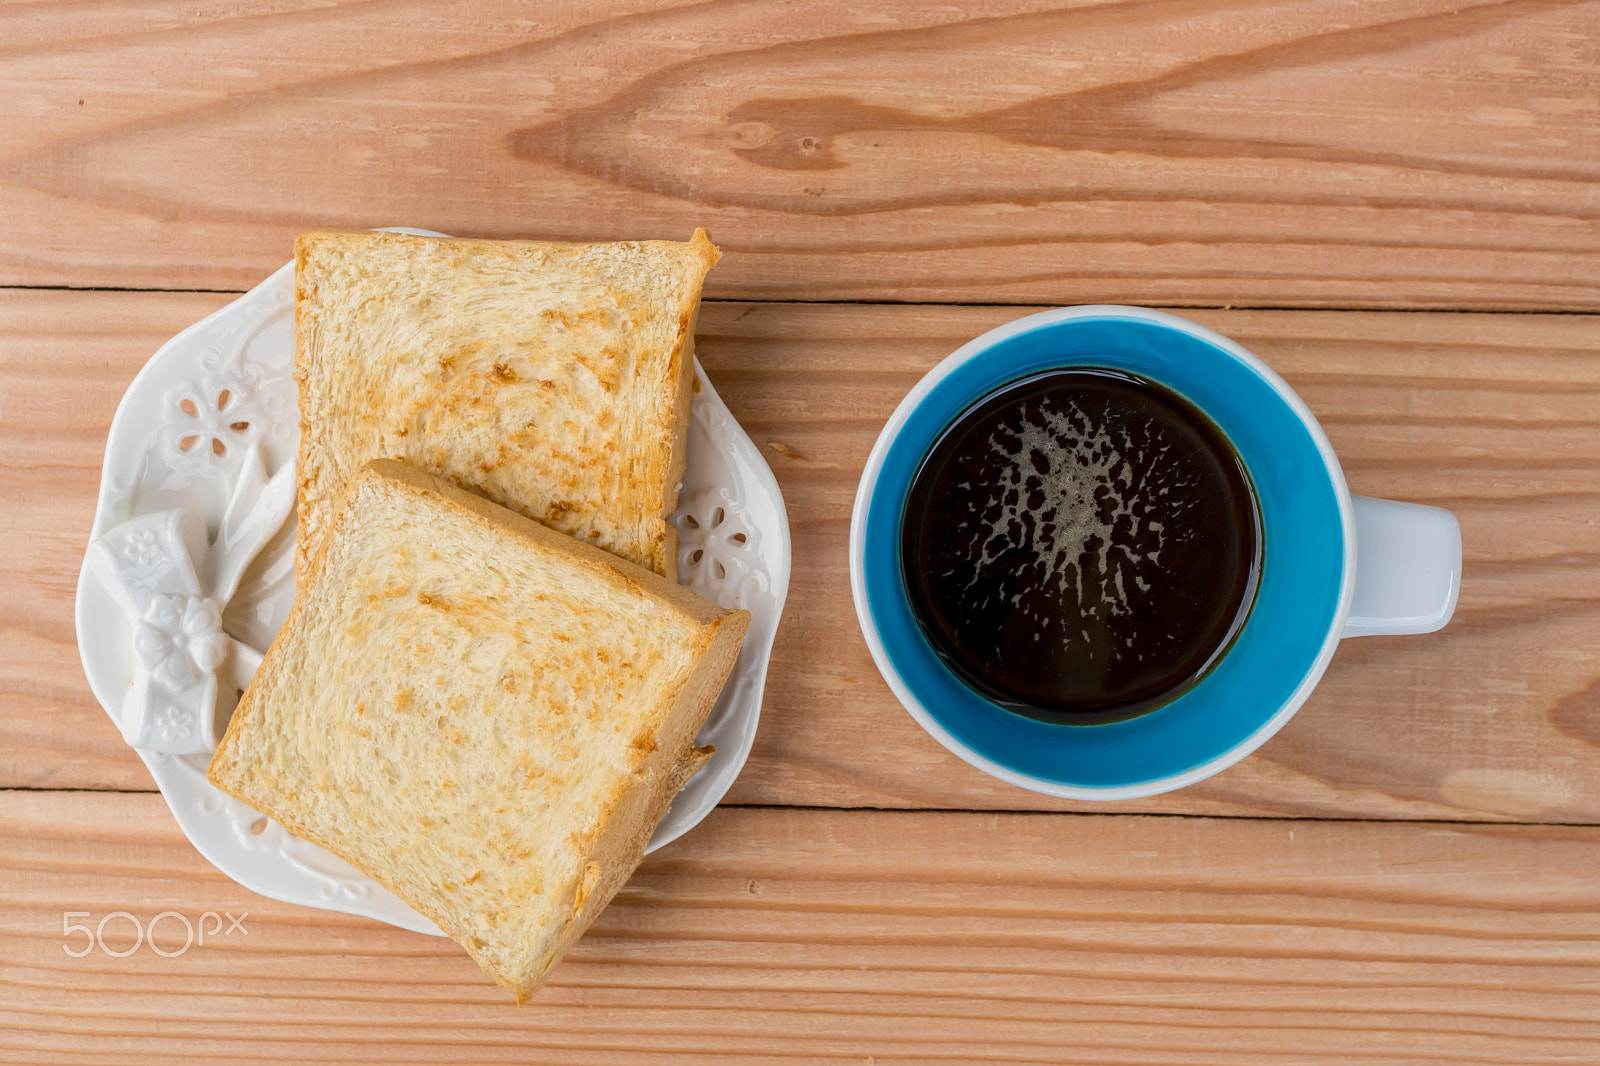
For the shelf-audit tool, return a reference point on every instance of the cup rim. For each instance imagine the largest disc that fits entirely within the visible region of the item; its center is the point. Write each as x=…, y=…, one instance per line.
x=974, y=349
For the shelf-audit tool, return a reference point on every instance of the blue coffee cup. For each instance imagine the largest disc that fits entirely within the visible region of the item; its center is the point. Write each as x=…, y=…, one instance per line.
x=1332, y=565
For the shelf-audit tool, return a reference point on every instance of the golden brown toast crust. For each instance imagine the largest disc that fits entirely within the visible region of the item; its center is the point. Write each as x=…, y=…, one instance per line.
x=554, y=379
x=485, y=716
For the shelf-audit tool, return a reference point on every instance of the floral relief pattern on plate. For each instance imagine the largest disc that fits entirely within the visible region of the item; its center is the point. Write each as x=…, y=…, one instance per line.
x=222, y=391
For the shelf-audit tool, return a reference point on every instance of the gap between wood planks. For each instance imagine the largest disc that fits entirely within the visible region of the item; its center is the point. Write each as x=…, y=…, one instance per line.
x=1318, y=309
x=986, y=811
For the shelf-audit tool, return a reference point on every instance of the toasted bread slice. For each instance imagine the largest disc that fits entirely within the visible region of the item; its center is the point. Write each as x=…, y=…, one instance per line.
x=554, y=379
x=484, y=715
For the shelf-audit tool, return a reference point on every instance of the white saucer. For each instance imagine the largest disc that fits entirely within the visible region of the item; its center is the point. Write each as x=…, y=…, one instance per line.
x=734, y=549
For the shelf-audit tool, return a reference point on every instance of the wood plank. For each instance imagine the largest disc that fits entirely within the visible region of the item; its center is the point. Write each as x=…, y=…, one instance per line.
x=65, y=361
x=850, y=936
x=1490, y=415
x=1418, y=153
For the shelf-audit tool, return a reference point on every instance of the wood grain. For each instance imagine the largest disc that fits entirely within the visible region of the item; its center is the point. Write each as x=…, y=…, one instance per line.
x=1417, y=153
x=823, y=937
x=1494, y=416
x=65, y=361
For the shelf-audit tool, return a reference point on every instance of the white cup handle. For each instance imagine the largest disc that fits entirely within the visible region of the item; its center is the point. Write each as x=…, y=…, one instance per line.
x=1408, y=568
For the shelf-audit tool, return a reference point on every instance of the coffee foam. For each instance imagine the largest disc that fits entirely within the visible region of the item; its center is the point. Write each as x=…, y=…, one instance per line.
x=1080, y=545
x=1069, y=495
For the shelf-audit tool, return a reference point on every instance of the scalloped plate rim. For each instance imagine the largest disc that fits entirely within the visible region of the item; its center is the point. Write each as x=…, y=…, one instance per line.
x=723, y=770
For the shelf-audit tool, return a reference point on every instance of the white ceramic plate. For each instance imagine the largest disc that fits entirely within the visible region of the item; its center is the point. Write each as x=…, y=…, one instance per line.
x=227, y=380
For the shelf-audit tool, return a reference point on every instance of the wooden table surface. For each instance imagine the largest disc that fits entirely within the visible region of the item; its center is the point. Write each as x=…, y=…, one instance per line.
x=1394, y=204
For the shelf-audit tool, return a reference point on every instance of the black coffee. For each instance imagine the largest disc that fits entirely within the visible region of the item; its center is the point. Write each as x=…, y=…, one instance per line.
x=1081, y=545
